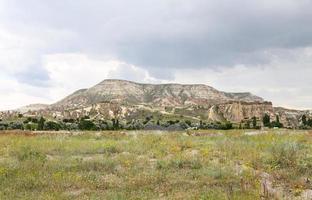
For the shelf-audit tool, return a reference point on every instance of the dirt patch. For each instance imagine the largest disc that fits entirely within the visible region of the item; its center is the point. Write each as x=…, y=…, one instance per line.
x=255, y=132
x=75, y=192
x=204, y=133
x=17, y=132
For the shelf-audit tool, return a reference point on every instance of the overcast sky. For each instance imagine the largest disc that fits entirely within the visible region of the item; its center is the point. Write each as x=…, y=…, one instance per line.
x=50, y=48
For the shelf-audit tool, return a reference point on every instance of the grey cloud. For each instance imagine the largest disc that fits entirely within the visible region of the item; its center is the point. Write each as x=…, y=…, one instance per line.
x=34, y=76
x=171, y=34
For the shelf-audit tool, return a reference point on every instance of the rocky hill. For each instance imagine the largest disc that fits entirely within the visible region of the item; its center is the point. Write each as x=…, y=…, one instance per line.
x=156, y=95
x=162, y=101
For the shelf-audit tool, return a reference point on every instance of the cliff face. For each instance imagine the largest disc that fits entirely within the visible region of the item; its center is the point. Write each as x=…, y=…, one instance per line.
x=291, y=118
x=238, y=111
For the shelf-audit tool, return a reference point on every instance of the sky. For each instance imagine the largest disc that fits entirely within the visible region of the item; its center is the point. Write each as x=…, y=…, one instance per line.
x=50, y=48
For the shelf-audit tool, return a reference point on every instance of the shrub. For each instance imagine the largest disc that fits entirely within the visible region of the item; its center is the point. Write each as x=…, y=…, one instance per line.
x=184, y=125
x=86, y=124
x=3, y=126
x=185, y=164
x=71, y=126
x=26, y=153
x=188, y=122
x=110, y=148
x=284, y=155
x=134, y=125
x=31, y=126
x=68, y=120
x=226, y=126
x=16, y=126
x=276, y=123
x=51, y=125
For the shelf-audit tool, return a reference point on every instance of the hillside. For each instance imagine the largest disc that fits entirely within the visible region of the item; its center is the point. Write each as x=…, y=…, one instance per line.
x=156, y=95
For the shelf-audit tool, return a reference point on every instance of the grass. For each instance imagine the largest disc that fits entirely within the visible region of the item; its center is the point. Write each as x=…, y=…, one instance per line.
x=152, y=165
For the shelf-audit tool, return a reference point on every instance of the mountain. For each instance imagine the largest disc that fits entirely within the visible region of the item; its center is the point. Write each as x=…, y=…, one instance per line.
x=162, y=101
x=156, y=95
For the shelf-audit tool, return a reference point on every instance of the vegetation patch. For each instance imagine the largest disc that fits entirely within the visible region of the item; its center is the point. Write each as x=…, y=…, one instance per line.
x=205, y=164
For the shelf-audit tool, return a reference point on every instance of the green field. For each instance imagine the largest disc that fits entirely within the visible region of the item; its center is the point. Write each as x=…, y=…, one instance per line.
x=155, y=165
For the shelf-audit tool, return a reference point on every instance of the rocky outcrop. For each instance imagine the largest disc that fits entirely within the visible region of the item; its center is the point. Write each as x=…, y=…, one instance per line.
x=291, y=118
x=238, y=111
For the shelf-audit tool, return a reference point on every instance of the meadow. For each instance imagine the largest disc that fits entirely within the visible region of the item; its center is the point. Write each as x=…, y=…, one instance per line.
x=210, y=164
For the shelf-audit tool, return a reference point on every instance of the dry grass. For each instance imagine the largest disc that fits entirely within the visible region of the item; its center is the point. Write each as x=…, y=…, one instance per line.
x=151, y=165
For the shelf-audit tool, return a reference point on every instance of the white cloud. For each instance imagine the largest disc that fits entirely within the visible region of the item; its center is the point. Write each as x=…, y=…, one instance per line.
x=48, y=49
x=286, y=81
x=70, y=72
x=66, y=73
x=13, y=94
x=16, y=52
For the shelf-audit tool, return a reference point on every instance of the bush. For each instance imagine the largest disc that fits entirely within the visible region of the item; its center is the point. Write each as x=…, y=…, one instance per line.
x=225, y=126
x=134, y=125
x=276, y=124
x=31, y=119
x=188, y=122
x=171, y=122
x=86, y=124
x=184, y=125
x=16, y=126
x=185, y=164
x=52, y=126
x=31, y=126
x=3, y=126
x=71, y=126
x=284, y=155
x=68, y=120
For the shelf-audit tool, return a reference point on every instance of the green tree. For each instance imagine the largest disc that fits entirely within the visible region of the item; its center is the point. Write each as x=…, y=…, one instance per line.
x=277, y=119
x=277, y=123
x=16, y=126
x=226, y=125
x=188, y=122
x=52, y=126
x=266, y=120
x=247, y=125
x=304, y=119
x=41, y=123
x=86, y=124
x=254, y=122
x=201, y=124
x=115, y=124
x=158, y=123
